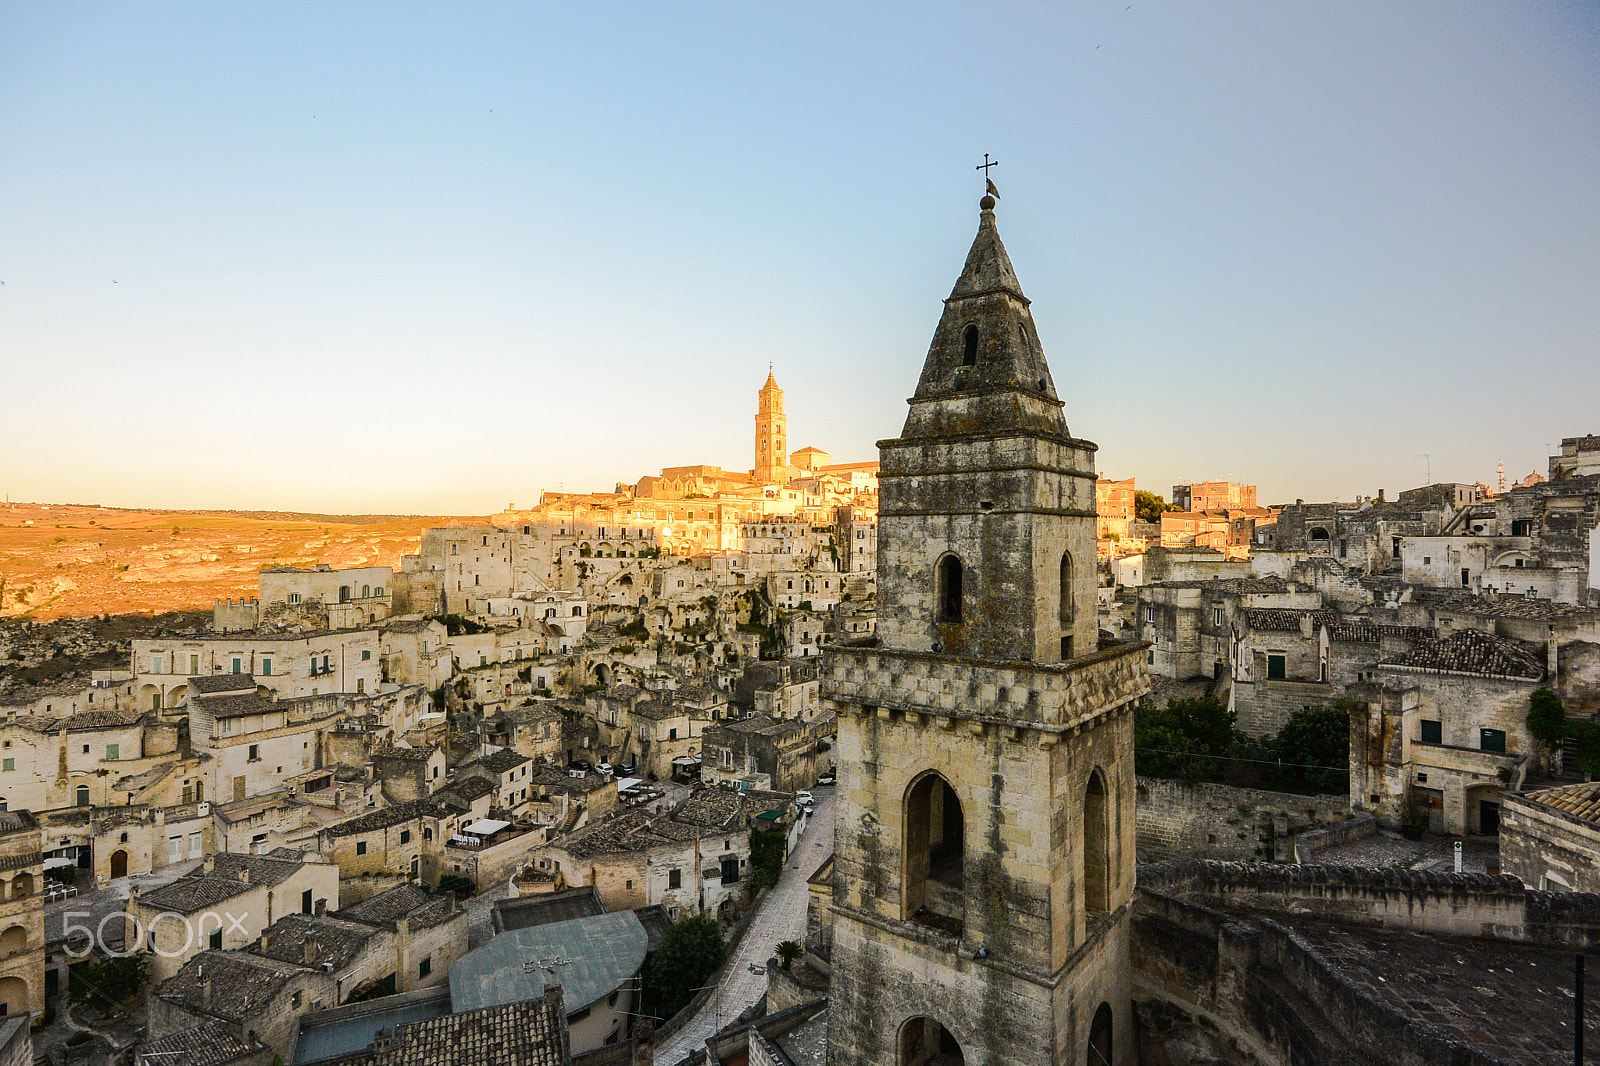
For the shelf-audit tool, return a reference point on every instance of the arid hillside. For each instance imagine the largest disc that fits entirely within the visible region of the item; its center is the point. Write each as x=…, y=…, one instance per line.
x=70, y=561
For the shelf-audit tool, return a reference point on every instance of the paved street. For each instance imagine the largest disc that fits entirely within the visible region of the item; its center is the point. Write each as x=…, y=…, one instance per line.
x=782, y=916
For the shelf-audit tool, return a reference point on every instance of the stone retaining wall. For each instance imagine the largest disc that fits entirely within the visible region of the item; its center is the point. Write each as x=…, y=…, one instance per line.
x=1174, y=818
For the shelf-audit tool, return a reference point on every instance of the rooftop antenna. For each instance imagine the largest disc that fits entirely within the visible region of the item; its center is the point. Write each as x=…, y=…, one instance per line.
x=1429, y=460
x=1501, y=475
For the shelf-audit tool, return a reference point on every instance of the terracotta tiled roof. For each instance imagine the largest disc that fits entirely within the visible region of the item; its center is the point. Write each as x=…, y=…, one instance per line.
x=1374, y=632
x=1285, y=619
x=1581, y=800
x=1472, y=651
x=209, y=1044
x=208, y=683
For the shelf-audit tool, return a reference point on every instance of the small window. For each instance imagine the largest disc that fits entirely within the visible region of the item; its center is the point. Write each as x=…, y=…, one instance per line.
x=361, y=847
x=83, y=795
x=215, y=942
x=237, y=666
x=365, y=655
x=1277, y=667
x=1427, y=560
x=675, y=879
x=113, y=751
x=969, y=347
x=9, y=764
x=405, y=836
x=255, y=753
x=1432, y=732
x=1216, y=617
x=950, y=589
x=425, y=967
x=1150, y=615
x=266, y=667
x=1492, y=740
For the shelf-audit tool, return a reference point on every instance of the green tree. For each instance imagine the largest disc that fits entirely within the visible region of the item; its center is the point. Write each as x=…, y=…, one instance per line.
x=1188, y=738
x=1547, y=718
x=766, y=857
x=689, y=954
x=114, y=981
x=789, y=951
x=1316, y=737
x=1147, y=506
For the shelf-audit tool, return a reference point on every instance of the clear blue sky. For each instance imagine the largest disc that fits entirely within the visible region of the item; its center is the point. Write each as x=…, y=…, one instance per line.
x=391, y=257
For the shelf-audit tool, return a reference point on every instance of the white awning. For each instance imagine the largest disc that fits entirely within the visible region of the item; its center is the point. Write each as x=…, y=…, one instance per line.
x=56, y=861
x=627, y=783
x=486, y=826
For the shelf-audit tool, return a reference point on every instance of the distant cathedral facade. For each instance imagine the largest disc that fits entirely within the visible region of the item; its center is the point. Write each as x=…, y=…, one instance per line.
x=984, y=835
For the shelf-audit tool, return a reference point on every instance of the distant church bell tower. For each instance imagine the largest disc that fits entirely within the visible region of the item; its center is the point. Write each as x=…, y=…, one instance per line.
x=772, y=462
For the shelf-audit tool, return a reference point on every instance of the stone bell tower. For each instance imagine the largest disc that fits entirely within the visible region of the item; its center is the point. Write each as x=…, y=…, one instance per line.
x=984, y=842
x=772, y=462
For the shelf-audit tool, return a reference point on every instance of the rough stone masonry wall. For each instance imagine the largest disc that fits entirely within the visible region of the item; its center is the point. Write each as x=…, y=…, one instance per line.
x=1174, y=818
x=1264, y=706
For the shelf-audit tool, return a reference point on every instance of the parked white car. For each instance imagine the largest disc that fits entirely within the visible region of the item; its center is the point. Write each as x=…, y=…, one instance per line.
x=803, y=799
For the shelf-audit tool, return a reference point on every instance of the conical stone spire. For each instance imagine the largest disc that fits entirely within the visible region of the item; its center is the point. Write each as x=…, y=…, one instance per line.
x=986, y=515
x=985, y=370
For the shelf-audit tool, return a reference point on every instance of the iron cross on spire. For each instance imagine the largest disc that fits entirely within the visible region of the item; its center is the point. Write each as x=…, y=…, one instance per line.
x=987, y=182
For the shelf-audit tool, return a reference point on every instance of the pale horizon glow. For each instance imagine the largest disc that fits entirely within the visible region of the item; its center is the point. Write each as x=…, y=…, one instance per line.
x=424, y=259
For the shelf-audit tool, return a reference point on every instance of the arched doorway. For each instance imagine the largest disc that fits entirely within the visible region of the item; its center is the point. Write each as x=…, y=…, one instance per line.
x=1096, y=845
x=935, y=853
x=13, y=941
x=119, y=863
x=926, y=1042
x=1100, y=1047
x=13, y=995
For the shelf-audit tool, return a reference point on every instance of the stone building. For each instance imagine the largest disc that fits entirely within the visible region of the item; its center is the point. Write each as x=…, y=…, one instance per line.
x=1114, y=504
x=21, y=914
x=1550, y=837
x=1444, y=725
x=783, y=750
x=1213, y=496
x=984, y=842
x=226, y=904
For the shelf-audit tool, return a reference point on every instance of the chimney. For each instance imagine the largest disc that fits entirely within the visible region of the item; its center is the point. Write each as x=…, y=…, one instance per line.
x=205, y=993
x=309, y=956
x=450, y=900
x=250, y=1038
x=266, y=940
x=320, y=907
x=210, y=864
x=1550, y=654
x=244, y=874
x=1380, y=495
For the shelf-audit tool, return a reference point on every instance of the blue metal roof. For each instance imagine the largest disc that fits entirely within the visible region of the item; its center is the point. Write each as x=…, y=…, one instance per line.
x=323, y=1038
x=588, y=957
